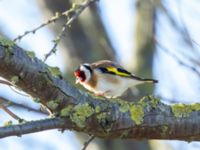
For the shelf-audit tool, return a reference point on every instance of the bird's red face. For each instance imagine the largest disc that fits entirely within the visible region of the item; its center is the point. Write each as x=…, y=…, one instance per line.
x=80, y=75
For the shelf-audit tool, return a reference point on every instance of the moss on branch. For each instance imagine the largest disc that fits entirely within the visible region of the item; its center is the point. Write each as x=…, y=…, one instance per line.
x=183, y=110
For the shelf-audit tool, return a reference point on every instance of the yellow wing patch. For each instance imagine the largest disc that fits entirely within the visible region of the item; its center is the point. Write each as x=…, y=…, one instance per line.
x=118, y=71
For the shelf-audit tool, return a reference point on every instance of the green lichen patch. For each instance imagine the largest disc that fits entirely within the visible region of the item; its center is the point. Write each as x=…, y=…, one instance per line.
x=7, y=123
x=124, y=107
x=137, y=113
x=65, y=112
x=14, y=79
x=57, y=14
x=97, y=109
x=181, y=110
x=55, y=71
x=81, y=113
x=53, y=104
x=6, y=43
x=149, y=101
x=75, y=6
x=195, y=107
x=137, y=109
x=105, y=121
x=31, y=54
x=154, y=101
x=101, y=117
x=37, y=100
x=144, y=101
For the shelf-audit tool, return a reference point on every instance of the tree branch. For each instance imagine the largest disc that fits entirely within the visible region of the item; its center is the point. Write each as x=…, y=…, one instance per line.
x=148, y=118
x=30, y=127
x=14, y=116
x=9, y=103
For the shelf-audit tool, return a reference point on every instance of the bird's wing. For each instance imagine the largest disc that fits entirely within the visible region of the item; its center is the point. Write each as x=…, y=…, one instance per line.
x=109, y=67
x=103, y=63
x=106, y=66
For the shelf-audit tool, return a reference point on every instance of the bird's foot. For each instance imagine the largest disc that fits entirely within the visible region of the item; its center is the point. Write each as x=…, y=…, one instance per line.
x=99, y=94
x=102, y=94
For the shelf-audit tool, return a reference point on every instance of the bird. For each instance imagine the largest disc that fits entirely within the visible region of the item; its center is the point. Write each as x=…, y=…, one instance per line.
x=107, y=78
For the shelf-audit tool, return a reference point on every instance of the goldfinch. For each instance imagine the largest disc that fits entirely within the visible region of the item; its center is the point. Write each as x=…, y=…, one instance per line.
x=106, y=78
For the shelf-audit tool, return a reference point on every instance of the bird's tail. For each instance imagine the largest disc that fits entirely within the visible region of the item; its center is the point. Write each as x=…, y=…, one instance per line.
x=144, y=80
x=149, y=80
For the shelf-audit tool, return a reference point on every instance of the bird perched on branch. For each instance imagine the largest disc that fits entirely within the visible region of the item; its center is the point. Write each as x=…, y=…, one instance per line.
x=106, y=78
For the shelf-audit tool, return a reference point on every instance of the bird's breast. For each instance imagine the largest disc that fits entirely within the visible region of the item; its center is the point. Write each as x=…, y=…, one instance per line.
x=107, y=83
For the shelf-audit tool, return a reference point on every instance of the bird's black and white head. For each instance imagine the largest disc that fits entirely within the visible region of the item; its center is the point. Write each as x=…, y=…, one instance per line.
x=83, y=74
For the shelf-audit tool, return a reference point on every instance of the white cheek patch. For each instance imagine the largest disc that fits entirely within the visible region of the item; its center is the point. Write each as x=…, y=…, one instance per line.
x=87, y=73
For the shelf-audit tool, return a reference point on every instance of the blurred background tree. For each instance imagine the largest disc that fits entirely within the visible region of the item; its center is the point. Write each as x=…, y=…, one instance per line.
x=157, y=30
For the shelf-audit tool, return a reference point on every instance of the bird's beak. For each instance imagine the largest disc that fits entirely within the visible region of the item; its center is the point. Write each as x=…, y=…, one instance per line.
x=76, y=75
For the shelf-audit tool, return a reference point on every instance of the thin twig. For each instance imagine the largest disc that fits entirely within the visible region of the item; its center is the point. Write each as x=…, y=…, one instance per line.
x=8, y=103
x=195, y=42
x=12, y=87
x=18, y=91
x=177, y=58
x=53, y=19
x=5, y=82
x=11, y=113
x=75, y=13
x=187, y=36
x=88, y=142
x=56, y=41
x=183, y=31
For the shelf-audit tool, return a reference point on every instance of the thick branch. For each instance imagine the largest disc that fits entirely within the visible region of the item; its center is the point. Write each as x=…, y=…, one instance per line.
x=147, y=118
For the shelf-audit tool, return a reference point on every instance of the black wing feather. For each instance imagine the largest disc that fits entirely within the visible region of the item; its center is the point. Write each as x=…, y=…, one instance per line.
x=105, y=70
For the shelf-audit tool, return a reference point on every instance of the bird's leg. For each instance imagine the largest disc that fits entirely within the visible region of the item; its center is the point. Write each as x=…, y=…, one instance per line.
x=102, y=93
x=99, y=94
